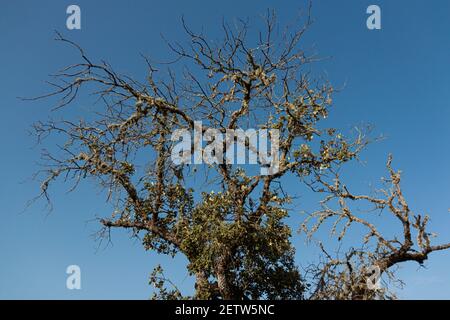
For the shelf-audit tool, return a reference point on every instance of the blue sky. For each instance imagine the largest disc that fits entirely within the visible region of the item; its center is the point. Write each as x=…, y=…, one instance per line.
x=396, y=78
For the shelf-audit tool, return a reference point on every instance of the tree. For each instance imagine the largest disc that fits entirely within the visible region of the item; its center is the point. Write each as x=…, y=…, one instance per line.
x=236, y=239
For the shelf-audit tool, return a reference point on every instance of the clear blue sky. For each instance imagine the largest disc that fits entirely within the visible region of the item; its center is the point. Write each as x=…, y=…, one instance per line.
x=397, y=78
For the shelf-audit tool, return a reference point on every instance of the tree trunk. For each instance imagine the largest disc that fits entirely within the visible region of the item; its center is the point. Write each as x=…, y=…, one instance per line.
x=224, y=280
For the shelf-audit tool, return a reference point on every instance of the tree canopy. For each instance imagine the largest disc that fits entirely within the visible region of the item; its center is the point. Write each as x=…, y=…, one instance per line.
x=236, y=238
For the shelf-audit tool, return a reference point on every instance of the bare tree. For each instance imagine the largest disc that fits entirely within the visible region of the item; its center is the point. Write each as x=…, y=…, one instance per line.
x=236, y=239
x=347, y=277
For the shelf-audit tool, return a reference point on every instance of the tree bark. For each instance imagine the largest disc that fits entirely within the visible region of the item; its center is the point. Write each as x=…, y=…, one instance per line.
x=224, y=279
